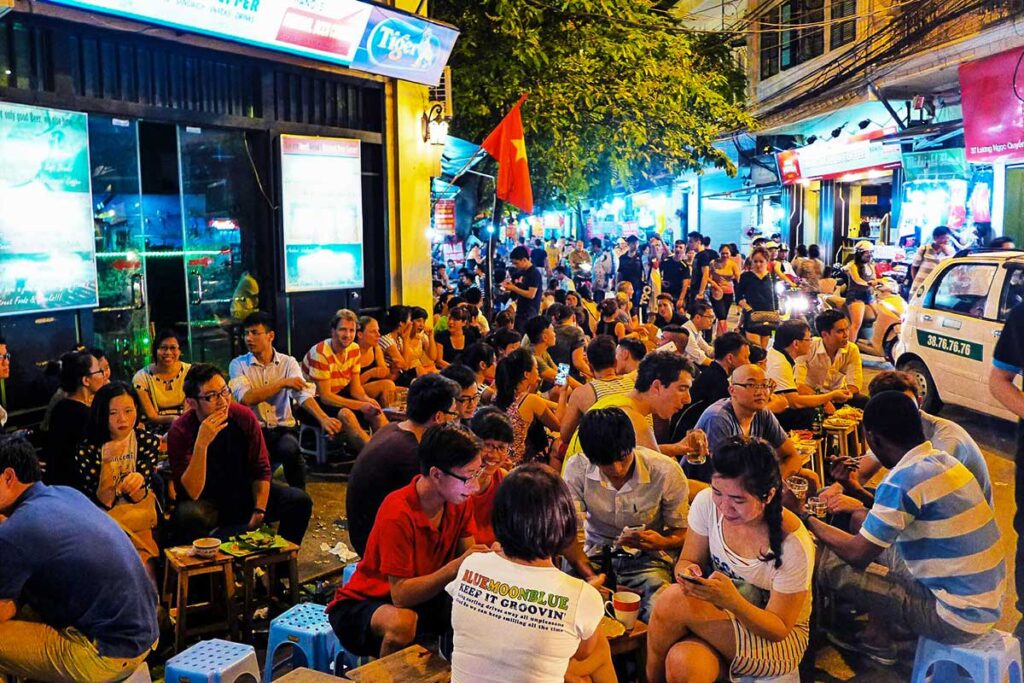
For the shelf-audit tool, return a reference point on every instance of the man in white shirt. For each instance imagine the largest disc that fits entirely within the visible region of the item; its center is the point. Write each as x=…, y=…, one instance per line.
x=832, y=361
x=702, y=318
x=268, y=382
x=792, y=342
x=632, y=504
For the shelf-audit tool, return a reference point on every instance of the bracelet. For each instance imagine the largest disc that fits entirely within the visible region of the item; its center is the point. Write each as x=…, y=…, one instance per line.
x=260, y=511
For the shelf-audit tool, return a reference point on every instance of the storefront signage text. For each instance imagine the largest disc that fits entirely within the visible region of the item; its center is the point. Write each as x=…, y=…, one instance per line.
x=940, y=164
x=346, y=32
x=992, y=109
x=829, y=160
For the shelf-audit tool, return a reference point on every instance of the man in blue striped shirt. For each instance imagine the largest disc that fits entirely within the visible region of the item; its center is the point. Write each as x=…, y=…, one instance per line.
x=947, y=577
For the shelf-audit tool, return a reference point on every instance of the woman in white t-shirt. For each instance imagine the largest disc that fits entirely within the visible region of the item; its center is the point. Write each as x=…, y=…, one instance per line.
x=516, y=617
x=751, y=614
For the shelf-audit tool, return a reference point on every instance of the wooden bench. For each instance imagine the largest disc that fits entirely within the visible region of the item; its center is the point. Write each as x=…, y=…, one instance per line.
x=414, y=664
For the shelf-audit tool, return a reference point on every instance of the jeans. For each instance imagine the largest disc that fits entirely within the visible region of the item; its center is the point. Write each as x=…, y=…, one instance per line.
x=288, y=505
x=283, y=446
x=33, y=650
x=1018, y=516
x=643, y=573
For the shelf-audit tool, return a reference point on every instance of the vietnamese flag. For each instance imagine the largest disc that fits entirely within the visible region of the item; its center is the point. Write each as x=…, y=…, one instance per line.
x=507, y=144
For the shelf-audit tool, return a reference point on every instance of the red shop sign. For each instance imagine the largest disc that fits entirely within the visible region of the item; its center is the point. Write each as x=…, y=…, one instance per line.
x=992, y=109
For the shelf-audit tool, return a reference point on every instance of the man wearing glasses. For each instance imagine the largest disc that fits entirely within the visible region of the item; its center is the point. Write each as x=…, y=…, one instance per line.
x=702, y=318
x=420, y=537
x=220, y=464
x=745, y=413
x=468, y=399
x=390, y=460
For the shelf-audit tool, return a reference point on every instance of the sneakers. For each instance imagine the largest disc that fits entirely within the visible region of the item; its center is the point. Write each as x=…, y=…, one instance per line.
x=885, y=655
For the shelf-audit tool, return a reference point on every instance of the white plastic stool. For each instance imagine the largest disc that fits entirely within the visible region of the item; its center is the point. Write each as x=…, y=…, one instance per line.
x=792, y=677
x=985, y=659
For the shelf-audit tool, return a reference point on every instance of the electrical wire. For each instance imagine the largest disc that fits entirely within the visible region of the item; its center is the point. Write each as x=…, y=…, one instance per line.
x=256, y=174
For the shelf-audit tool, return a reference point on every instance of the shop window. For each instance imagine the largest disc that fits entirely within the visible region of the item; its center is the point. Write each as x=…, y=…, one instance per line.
x=1013, y=292
x=963, y=289
x=843, y=27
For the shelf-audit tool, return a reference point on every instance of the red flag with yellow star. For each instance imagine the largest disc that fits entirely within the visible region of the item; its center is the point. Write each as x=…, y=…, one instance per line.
x=507, y=144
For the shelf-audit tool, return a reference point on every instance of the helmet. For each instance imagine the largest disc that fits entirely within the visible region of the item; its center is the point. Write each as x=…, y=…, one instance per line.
x=864, y=245
x=771, y=244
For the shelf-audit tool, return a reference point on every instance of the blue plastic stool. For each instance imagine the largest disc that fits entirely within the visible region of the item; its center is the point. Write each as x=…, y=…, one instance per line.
x=342, y=658
x=213, y=661
x=304, y=627
x=985, y=659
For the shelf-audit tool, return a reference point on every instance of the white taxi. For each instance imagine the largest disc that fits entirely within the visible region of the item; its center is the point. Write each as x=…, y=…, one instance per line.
x=952, y=324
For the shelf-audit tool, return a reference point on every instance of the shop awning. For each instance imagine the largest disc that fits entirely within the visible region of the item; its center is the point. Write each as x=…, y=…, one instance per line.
x=459, y=156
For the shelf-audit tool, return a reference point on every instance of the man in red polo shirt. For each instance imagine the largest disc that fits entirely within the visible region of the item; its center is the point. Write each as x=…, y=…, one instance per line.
x=422, y=533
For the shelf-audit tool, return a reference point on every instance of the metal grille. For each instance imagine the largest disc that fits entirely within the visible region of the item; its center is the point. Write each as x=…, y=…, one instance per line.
x=301, y=97
x=24, y=56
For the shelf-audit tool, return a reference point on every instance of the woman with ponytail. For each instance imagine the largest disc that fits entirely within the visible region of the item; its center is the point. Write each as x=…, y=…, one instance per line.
x=750, y=615
x=516, y=380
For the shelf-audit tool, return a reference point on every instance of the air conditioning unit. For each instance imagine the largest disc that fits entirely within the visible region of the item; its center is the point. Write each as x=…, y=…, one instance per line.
x=440, y=94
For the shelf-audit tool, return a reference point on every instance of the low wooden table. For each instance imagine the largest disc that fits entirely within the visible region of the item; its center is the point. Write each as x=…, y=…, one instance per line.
x=414, y=664
x=633, y=642
x=269, y=561
x=304, y=675
x=847, y=437
x=186, y=566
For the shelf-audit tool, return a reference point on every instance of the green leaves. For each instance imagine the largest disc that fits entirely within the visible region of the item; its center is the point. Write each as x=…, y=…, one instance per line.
x=620, y=94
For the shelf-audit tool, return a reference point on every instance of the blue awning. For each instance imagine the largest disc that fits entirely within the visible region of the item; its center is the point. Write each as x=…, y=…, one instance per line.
x=457, y=154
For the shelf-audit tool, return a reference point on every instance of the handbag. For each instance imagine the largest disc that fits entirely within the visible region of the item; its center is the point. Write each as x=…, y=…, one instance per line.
x=764, y=318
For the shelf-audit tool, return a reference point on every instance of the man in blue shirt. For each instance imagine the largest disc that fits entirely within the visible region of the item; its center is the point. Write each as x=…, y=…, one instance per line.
x=268, y=382
x=75, y=602
x=946, y=578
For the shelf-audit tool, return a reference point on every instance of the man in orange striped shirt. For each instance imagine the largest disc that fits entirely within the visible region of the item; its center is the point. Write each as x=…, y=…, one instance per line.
x=333, y=365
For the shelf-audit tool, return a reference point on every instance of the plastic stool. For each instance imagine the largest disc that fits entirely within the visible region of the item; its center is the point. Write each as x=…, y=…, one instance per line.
x=214, y=661
x=342, y=658
x=985, y=659
x=319, y=448
x=304, y=627
x=792, y=677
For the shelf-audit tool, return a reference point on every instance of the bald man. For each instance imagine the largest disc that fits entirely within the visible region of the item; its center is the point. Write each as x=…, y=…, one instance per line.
x=745, y=413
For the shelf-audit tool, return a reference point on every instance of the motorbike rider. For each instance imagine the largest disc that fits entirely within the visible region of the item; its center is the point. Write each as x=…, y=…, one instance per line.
x=860, y=273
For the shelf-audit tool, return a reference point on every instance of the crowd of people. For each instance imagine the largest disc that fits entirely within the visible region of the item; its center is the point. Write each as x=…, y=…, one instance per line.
x=590, y=434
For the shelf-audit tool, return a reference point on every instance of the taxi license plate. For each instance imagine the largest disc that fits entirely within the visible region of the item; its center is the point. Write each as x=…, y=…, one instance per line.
x=965, y=349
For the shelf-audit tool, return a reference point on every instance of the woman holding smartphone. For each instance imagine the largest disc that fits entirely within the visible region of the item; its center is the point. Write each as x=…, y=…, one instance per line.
x=750, y=615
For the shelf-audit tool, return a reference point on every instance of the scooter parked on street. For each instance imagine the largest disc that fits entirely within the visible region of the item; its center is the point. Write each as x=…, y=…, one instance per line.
x=882, y=320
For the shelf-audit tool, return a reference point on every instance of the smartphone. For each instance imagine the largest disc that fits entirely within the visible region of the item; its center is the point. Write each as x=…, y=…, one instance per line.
x=563, y=374
x=690, y=579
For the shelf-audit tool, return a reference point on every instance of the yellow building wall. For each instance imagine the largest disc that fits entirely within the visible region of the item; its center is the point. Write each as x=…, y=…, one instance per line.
x=411, y=164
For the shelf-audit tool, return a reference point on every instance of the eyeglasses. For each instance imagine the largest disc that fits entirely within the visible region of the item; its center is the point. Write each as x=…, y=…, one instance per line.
x=168, y=348
x=466, y=400
x=756, y=386
x=214, y=395
x=95, y=372
x=5, y=356
x=464, y=480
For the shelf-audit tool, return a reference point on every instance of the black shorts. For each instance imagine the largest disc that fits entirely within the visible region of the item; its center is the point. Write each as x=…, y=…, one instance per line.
x=721, y=306
x=351, y=620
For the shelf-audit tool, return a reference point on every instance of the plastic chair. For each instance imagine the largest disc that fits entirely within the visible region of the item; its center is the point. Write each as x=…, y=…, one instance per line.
x=305, y=628
x=792, y=677
x=214, y=661
x=985, y=659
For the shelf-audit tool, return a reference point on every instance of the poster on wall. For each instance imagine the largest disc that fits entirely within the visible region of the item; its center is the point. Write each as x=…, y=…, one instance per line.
x=322, y=213
x=47, y=241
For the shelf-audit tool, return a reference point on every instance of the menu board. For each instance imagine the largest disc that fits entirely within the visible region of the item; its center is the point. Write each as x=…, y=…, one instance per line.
x=322, y=213
x=47, y=242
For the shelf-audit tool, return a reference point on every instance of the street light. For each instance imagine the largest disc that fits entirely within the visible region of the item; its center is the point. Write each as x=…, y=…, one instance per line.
x=435, y=126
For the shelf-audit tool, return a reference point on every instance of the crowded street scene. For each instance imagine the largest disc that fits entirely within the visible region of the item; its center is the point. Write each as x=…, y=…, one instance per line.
x=576, y=341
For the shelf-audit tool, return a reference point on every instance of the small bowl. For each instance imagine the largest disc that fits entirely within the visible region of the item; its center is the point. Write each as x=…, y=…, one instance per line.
x=206, y=547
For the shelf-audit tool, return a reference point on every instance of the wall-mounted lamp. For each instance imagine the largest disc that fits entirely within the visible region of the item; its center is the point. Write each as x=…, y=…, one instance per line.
x=812, y=139
x=836, y=132
x=435, y=126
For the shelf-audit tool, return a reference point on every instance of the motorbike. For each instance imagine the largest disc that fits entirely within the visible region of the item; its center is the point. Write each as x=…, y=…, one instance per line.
x=882, y=320
x=584, y=275
x=796, y=303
